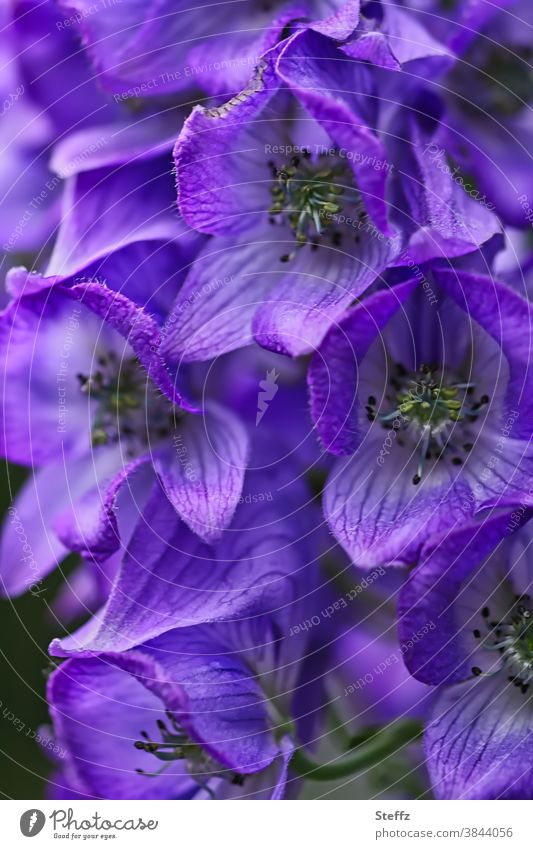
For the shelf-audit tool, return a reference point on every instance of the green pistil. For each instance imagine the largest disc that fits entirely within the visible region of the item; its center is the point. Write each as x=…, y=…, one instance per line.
x=429, y=408
x=430, y=403
x=309, y=195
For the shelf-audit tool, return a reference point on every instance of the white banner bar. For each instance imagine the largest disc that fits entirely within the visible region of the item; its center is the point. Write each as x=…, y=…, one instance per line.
x=269, y=825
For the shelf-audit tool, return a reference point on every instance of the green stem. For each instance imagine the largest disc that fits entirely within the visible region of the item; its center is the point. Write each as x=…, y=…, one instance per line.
x=368, y=753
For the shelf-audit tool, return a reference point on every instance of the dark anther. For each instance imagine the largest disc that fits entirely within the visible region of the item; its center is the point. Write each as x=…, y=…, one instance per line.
x=476, y=671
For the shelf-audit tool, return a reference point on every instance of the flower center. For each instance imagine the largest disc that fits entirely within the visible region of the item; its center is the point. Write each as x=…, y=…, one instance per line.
x=128, y=405
x=176, y=745
x=428, y=407
x=512, y=637
x=310, y=195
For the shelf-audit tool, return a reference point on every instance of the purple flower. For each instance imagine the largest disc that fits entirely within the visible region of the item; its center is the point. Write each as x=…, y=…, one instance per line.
x=87, y=400
x=425, y=202
x=469, y=604
x=423, y=391
x=286, y=210
x=200, y=713
x=148, y=49
x=308, y=212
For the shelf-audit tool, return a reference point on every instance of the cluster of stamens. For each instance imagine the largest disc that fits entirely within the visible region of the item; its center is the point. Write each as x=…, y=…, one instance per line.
x=176, y=745
x=428, y=408
x=308, y=195
x=128, y=406
x=512, y=638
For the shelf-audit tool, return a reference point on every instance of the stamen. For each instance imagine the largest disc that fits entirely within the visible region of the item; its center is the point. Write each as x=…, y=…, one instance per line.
x=127, y=405
x=308, y=195
x=176, y=745
x=429, y=408
x=513, y=639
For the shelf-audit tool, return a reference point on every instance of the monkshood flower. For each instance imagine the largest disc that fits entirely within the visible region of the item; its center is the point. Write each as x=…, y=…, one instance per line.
x=423, y=393
x=87, y=399
x=258, y=172
x=140, y=49
x=300, y=205
x=475, y=585
x=167, y=577
x=432, y=211
x=201, y=713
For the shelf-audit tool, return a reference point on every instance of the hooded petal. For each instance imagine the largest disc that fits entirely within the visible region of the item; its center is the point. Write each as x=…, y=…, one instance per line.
x=442, y=220
x=217, y=699
x=508, y=318
x=398, y=39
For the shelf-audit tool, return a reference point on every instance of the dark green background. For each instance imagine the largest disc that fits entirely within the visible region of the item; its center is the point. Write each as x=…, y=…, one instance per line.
x=26, y=627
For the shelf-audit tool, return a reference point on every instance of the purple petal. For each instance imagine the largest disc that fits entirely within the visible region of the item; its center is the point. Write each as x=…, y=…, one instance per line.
x=376, y=512
x=30, y=548
x=170, y=579
x=90, y=525
x=214, y=309
x=479, y=742
x=317, y=289
x=202, y=471
x=333, y=371
x=108, y=208
x=217, y=699
x=99, y=713
x=508, y=318
x=438, y=640
x=340, y=23
x=137, y=327
x=221, y=167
